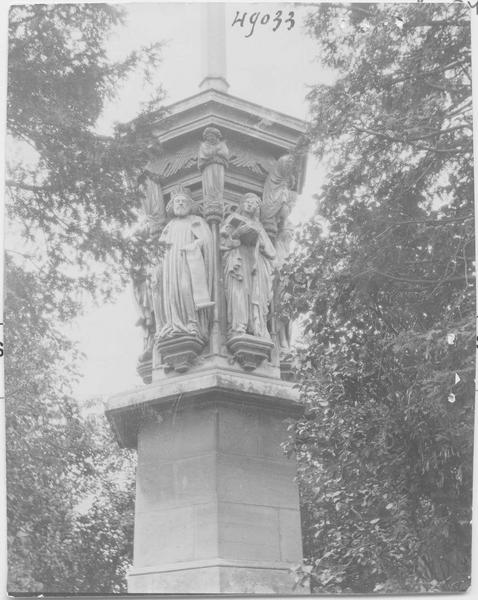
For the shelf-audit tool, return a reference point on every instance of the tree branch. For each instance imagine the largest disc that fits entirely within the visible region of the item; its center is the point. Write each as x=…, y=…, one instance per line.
x=436, y=222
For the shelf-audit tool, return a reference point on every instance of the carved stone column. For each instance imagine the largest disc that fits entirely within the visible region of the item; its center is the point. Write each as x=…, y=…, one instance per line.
x=217, y=504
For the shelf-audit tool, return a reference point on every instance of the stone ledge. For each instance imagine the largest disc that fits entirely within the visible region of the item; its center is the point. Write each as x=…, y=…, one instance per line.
x=127, y=410
x=211, y=563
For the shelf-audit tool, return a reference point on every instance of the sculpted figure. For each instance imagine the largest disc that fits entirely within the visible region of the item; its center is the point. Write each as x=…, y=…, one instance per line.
x=144, y=305
x=248, y=269
x=277, y=192
x=155, y=212
x=144, y=277
x=212, y=160
x=187, y=270
x=282, y=246
x=153, y=204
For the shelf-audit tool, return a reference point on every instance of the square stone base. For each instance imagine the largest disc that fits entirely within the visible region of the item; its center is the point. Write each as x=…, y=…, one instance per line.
x=216, y=579
x=217, y=504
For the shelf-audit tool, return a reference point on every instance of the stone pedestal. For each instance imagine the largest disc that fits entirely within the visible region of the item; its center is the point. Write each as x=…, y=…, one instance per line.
x=217, y=508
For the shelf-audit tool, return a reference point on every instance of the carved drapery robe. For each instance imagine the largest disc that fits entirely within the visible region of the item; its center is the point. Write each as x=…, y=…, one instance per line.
x=144, y=306
x=282, y=246
x=212, y=161
x=248, y=271
x=155, y=211
x=277, y=193
x=187, y=277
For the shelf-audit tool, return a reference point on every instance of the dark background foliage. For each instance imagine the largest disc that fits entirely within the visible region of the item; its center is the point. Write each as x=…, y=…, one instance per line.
x=70, y=208
x=380, y=278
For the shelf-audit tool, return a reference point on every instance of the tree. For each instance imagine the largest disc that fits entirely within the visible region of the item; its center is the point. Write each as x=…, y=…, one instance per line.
x=70, y=208
x=383, y=282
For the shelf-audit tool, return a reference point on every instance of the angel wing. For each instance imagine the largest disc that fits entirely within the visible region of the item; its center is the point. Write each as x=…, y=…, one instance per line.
x=153, y=204
x=167, y=166
x=248, y=159
x=275, y=194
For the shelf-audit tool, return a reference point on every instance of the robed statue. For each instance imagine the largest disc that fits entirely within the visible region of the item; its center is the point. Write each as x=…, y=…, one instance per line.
x=282, y=245
x=278, y=192
x=144, y=305
x=146, y=277
x=212, y=161
x=278, y=199
x=187, y=270
x=248, y=270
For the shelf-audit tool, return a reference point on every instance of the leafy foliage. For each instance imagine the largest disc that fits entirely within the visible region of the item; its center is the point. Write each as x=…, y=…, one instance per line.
x=69, y=208
x=383, y=275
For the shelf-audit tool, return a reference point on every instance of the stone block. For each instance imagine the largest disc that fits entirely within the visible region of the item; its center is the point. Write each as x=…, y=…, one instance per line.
x=204, y=580
x=206, y=531
x=216, y=579
x=248, y=532
x=273, y=434
x=256, y=481
x=165, y=536
x=178, y=434
x=235, y=580
x=183, y=482
x=290, y=535
x=239, y=431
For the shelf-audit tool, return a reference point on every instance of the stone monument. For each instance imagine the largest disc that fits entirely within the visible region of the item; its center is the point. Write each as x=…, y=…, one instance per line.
x=217, y=507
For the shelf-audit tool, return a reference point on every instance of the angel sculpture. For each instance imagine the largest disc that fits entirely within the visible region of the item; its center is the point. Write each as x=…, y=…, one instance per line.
x=145, y=277
x=278, y=199
x=144, y=305
x=155, y=212
x=278, y=193
x=282, y=245
x=248, y=269
x=187, y=270
x=212, y=160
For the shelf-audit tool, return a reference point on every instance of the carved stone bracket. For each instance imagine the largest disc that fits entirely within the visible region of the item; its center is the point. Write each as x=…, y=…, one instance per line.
x=250, y=351
x=179, y=352
x=145, y=370
x=286, y=370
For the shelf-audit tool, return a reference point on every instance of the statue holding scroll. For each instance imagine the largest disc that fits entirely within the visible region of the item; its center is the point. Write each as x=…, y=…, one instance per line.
x=187, y=270
x=248, y=270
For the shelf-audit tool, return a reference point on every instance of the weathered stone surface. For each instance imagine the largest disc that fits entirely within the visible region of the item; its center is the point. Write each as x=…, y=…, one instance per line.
x=225, y=578
x=248, y=532
x=256, y=481
x=213, y=485
x=210, y=386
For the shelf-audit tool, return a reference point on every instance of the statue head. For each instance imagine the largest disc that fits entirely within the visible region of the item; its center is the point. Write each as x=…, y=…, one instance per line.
x=181, y=202
x=286, y=165
x=249, y=205
x=212, y=135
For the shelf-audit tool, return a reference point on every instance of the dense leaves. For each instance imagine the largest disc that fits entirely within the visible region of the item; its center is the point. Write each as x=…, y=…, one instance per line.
x=69, y=209
x=72, y=200
x=383, y=281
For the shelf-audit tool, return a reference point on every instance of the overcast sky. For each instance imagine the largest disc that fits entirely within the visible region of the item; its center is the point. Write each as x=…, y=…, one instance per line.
x=273, y=69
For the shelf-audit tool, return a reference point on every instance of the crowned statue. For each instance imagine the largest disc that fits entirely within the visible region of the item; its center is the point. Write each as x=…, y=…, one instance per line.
x=248, y=270
x=187, y=270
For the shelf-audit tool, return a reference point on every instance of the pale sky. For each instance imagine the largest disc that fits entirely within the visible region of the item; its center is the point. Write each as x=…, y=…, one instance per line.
x=272, y=69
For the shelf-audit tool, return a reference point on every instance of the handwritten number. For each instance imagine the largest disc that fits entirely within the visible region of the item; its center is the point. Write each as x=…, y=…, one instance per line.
x=290, y=20
x=278, y=19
